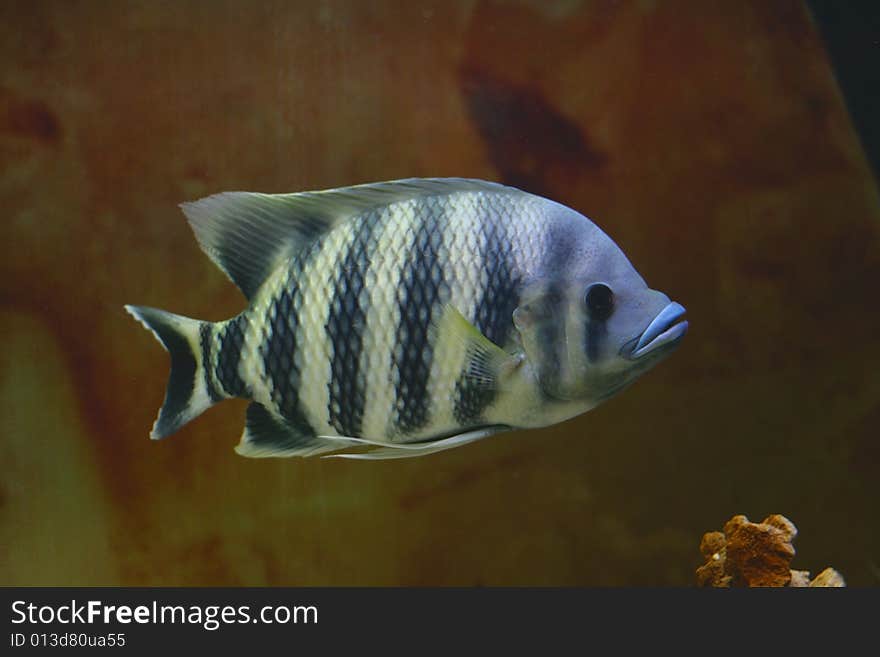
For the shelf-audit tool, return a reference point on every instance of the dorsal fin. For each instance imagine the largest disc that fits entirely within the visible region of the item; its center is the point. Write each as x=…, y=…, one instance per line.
x=248, y=234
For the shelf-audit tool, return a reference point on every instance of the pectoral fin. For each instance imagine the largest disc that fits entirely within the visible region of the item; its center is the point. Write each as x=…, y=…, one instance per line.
x=486, y=365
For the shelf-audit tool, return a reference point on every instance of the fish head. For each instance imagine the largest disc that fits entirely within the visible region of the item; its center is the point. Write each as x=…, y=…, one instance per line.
x=589, y=324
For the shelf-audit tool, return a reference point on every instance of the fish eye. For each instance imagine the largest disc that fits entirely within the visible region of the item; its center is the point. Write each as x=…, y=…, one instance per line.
x=599, y=300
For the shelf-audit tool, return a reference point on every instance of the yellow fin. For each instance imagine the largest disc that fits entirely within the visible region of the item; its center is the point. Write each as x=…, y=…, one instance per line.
x=486, y=364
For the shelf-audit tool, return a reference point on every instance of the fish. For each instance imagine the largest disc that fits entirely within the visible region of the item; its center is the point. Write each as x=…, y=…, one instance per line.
x=402, y=318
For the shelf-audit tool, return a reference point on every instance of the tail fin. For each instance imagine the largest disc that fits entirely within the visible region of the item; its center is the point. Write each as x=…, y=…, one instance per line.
x=186, y=396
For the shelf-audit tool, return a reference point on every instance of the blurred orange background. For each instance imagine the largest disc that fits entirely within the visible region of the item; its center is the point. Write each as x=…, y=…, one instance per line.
x=709, y=140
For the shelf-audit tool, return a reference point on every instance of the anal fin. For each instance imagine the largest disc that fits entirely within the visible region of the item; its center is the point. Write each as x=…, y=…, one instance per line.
x=266, y=435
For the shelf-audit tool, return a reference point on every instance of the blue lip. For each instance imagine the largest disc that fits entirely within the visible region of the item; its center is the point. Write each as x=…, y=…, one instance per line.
x=662, y=330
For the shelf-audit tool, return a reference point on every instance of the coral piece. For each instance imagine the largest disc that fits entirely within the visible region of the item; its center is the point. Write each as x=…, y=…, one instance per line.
x=750, y=554
x=760, y=553
x=714, y=549
x=828, y=578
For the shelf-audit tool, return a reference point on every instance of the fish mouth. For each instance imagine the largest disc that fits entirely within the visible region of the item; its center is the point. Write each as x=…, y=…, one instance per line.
x=664, y=331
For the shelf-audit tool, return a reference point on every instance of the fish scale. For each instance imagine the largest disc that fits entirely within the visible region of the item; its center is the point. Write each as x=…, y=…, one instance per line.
x=491, y=317
x=229, y=344
x=345, y=326
x=422, y=292
x=315, y=346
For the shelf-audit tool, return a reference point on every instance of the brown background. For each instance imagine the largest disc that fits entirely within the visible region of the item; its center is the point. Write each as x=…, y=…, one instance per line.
x=708, y=139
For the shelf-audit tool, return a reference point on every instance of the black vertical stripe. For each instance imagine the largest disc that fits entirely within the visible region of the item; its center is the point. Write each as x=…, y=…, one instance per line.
x=594, y=333
x=345, y=326
x=205, y=335
x=278, y=349
x=493, y=316
x=422, y=292
x=549, y=338
x=494, y=311
x=229, y=355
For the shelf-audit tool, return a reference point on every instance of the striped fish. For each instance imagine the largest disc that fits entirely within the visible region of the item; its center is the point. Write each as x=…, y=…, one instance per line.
x=407, y=317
